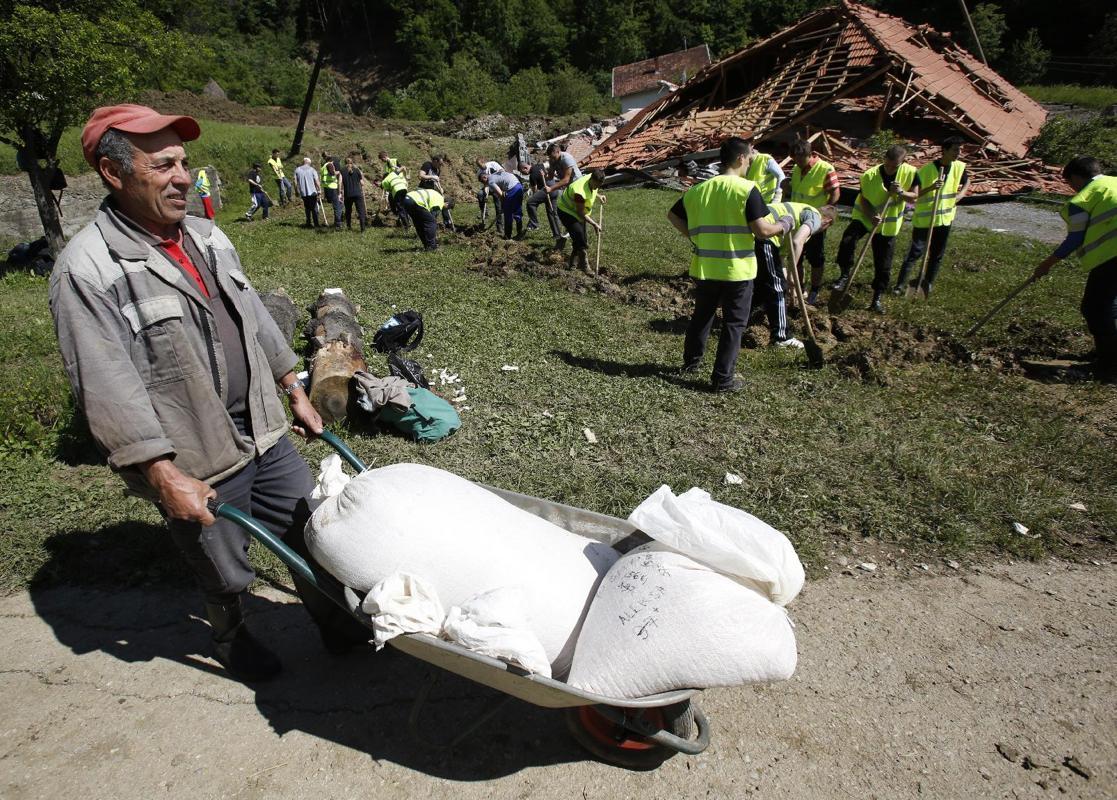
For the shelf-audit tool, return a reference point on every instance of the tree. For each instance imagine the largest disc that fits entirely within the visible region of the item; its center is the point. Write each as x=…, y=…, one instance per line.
x=989, y=22
x=1027, y=59
x=55, y=67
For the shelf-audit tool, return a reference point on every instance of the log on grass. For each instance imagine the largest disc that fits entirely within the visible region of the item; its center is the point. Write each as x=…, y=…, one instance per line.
x=335, y=346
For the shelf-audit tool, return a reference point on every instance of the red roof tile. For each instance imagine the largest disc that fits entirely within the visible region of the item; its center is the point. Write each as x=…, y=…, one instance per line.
x=674, y=67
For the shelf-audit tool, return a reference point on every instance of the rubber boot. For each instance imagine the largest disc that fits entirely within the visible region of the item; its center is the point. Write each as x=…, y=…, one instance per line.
x=584, y=262
x=235, y=648
x=841, y=283
x=570, y=259
x=876, y=306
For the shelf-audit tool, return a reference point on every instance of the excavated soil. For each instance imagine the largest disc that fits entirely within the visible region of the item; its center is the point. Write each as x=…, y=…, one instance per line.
x=864, y=347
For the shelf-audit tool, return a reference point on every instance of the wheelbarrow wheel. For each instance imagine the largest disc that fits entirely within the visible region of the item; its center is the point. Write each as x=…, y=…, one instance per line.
x=616, y=744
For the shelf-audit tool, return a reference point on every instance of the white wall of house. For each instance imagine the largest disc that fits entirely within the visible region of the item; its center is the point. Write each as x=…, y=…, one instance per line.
x=640, y=99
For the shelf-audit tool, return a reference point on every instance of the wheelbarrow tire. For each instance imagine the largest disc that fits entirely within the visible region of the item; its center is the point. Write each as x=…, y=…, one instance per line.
x=615, y=744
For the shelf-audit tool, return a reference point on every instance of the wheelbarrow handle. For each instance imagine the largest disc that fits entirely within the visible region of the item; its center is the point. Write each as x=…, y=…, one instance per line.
x=285, y=554
x=343, y=450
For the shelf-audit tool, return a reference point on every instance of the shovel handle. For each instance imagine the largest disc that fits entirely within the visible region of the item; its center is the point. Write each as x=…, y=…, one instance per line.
x=996, y=309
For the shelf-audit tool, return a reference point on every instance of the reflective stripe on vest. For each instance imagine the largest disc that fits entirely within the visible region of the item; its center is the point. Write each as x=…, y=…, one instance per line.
x=722, y=240
x=1098, y=200
x=758, y=174
x=427, y=198
x=579, y=187
x=944, y=215
x=328, y=181
x=201, y=183
x=875, y=193
x=811, y=188
x=393, y=182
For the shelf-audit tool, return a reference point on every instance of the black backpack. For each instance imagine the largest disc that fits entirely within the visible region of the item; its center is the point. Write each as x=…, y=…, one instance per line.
x=402, y=334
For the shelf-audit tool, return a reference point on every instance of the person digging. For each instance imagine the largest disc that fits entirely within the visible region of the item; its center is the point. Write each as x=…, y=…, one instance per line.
x=575, y=210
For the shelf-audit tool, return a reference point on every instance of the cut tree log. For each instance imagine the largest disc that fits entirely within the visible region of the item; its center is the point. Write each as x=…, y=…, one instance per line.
x=335, y=348
x=283, y=310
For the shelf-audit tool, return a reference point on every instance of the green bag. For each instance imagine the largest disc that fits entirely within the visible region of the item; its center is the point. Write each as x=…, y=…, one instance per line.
x=429, y=419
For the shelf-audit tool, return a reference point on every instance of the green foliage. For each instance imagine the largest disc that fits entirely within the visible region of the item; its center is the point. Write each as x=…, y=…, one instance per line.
x=1095, y=97
x=58, y=65
x=527, y=92
x=989, y=22
x=1027, y=59
x=880, y=141
x=1063, y=138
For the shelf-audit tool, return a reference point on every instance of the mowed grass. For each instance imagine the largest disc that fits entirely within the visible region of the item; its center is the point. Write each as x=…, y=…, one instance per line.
x=937, y=459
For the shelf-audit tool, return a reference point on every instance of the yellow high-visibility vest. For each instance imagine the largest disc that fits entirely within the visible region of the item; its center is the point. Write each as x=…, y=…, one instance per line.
x=276, y=165
x=393, y=182
x=724, y=247
x=1098, y=199
x=811, y=188
x=758, y=174
x=875, y=192
x=428, y=199
x=328, y=181
x=578, y=187
x=944, y=214
x=787, y=209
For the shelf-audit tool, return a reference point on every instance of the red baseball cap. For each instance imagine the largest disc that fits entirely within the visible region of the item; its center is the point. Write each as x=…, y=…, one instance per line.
x=132, y=118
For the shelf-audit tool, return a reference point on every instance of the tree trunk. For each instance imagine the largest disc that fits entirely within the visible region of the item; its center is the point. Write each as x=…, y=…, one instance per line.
x=297, y=143
x=336, y=350
x=48, y=211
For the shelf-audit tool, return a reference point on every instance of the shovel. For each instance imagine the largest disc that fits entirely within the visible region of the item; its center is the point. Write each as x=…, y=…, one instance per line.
x=996, y=309
x=840, y=301
x=814, y=352
x=913, y=289
x=600, y=231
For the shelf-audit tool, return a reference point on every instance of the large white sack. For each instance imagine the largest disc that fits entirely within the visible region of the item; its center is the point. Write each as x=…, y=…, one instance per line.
x=493, y=624
x=662, y=621
x=728, y=539
x=463, y=540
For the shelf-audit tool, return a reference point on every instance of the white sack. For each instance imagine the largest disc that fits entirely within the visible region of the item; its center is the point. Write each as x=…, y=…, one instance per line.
x=493, y=624
x=463, y=540
x=402, y=603
x=727, y=539
x=331, y=478
x=662, y=621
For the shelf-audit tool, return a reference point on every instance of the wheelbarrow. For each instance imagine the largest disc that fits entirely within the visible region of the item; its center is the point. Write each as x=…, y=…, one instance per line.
x=636, y=733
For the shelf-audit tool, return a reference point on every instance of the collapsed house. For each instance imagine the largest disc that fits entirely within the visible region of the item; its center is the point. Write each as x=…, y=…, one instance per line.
x=837, y=77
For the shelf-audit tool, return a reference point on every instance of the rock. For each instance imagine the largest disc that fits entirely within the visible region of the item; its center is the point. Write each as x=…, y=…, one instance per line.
x=1075, y=766
x=213, y=89
x=867, y=566
x=1034, y=762
x=1009, y=752
x=842, y=561
x=953, y=564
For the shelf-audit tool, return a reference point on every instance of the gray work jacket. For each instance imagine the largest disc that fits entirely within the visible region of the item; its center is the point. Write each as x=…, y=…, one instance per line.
x=141, y=350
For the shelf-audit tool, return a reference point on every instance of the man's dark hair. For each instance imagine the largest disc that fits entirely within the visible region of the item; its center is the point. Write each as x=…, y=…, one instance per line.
x=255, y=166
x=1084, y=167
x=274, y=150
x=896, y=152
x=732, y=149
x=598, y=175
x=800, y=148
x=952, y=141
x=553, y=148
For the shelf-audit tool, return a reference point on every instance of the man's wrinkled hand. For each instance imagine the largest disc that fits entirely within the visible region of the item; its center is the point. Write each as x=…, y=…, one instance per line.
x=180, y=495
x=308, y=422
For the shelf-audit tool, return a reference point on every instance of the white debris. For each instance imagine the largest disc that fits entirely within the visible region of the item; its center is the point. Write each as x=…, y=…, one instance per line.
x=446, y=377
x=548, y=415
x=1077, y=507
x=867, y=566
x=732, y=479
x=953, y=564
x=464, y=409
x=1020, y=529
x=591, y=437
x=509, y=368
x=923, y=567
x=458, y=398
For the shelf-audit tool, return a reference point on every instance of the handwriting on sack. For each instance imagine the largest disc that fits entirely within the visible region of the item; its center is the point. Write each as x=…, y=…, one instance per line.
x=643, y=580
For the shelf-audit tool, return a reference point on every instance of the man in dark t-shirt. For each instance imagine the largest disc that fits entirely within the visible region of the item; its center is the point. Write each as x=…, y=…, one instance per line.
x=537, y=184
x=351, y=182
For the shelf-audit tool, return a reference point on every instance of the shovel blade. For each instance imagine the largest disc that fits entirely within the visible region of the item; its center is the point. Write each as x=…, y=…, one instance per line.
x=839, y=302
x=815, y=358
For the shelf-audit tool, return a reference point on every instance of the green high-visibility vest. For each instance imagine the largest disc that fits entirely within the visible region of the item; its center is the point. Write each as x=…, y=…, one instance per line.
x=579, y=187
x=787, y=209
x=391, y=165
x=201, y=183
x=924, y=206
x=276, y=165
x=393, y=182
x=1098, y=201
x=875, y=192
x=758, y=174
x=328, y=181
x=724, y=247
x=428, y=199
x=811, y=188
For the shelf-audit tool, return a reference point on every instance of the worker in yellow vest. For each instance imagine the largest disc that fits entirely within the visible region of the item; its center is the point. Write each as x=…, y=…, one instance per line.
x=722, y=218
x=422, y=205
x=770, y=294
x=575, y=212
x=202, y=187
x=767, y=175
x=814, y=182
x=949, y=172
x=1091, y=219
x=331, y=183
x=395, y=186
x=283, y=185
x=389, y=164
x=879, y=212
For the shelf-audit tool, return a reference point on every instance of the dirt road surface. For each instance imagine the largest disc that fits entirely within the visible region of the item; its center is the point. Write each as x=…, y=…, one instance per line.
x=998, y=682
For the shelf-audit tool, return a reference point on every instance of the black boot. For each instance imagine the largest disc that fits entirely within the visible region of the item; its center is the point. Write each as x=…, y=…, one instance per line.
x=876, y=306
x=841, y=283
x=233, y=646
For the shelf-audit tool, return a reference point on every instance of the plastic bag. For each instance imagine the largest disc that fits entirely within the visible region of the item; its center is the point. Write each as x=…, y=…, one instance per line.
x=728, y=540
x=493, y=624
x=402, y=603
x=331, y=478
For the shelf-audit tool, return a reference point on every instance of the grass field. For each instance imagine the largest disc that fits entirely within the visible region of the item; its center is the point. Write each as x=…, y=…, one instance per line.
x=1096, y=97
x=930, y=455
